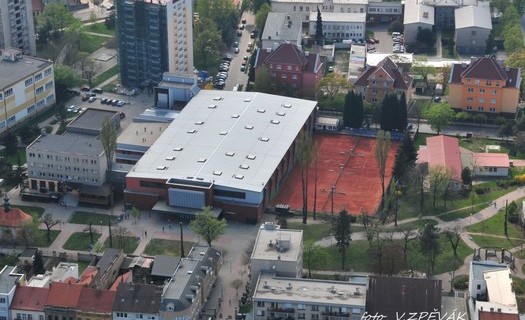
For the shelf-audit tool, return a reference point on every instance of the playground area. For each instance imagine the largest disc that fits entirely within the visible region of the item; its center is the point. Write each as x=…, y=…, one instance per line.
x=347, y=177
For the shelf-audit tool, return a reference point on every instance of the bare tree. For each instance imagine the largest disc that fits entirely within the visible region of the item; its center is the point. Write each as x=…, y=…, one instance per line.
x=454, y=235
x=439, y=179
x=236, y=284
x=49, y=222
x=313, y=256
x=108, y=138
x=304, y=157
x=121, y=234
x=408, y=235
x=247, y=252
x=381, y=154
x=418, y=183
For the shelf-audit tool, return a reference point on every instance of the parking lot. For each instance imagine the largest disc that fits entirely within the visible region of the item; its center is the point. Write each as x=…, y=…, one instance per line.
x=385, y=40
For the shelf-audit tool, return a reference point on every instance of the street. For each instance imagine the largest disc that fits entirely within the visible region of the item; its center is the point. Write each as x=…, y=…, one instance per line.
x=235, y=75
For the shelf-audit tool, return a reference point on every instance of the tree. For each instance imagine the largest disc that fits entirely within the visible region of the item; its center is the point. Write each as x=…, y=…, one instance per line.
x=110, y=20
x=236, y=284
x=438, y=179
x=342, y=232
x=65, y=77
x=466, y=176
x=313, y=256
x=315, y=156
x=207, y=45
x=121, y=235
x=319, y=29
x=389, y=109
x=426, y=39
x=454, y=235
x=401, y=114
x=304, y=157
x=108, y=138
x=207, y=226
x=381, y=155
x=445, y=75
x=423, y=69
x=28, y=230
x=49, y=222
x=55, y=18
x=408, y=235
x=463, y=117
x=38, y=263
x=417, y=184
x=507, y=129
x=261, y=15
x=135, y=213
x=396, y=26
x=10, y=142
x=513, y=39
x=263, y=80
x=247, y=252
x=223, y=13
x=257, y=4
x=429, y=246
x=333, y=85
x=439, y=116
x=353, y=113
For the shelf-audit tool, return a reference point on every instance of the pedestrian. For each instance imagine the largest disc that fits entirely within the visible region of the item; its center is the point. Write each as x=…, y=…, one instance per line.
x=494, y=204
x=146, y=233
x=162, y=229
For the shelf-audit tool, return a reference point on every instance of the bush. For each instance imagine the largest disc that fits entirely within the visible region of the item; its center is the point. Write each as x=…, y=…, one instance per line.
x=503, y=184
x=481, y=190
x=461, y=282
x=520, y=178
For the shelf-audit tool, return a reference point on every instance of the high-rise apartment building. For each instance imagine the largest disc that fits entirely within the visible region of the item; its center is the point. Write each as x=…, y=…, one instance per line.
x=17, y=29
x=154, y=36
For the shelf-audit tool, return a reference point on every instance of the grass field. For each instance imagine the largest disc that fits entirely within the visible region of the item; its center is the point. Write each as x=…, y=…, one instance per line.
x=415, y=224
x=80, y=241
x=462, y=213
x=166, y=247
x=489, y=241
x=90, y=43
x=99, y=27
x=495, y=226
x=128, y=244
x=12, y=158
x=40, y=238
x=105, y=75
x=38, y=211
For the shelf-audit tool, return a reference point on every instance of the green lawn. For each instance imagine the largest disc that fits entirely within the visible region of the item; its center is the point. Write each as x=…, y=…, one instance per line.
x=313, y=231
x=40, y=239
x=495, y=226
x=415, y=224
x=80, y=241
x=13, y=157
x=128, y=244
x=38, y=211
x=90, y=43
x=460, y=214
x=489, y=241
x=166, y=247
x=99, y=27
x=358, y=257
x=83, y=217
x=105, y=75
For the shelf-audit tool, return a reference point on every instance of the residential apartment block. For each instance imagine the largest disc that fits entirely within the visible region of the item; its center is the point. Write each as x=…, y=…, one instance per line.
x=384, y=11
x=296, y=298
x=386, y=77
x=28, y=303
x=153, y=37
x=17, y=29
x=26, y=87
x=9, y=279
x=484, y=85
x=307, y=6
x=291, y=69
x=339, y=26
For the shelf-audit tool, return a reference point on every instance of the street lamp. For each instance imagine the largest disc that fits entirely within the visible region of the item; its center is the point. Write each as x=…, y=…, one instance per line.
x=332, y=195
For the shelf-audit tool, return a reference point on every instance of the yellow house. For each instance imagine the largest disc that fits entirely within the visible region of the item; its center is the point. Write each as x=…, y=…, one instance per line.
x=484, y=86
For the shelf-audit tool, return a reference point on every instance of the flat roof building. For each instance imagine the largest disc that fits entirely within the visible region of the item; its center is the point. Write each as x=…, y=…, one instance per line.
x=276, y=297
x=90, y=121
x=282, y=27
x=136, y=139
x=228, y=150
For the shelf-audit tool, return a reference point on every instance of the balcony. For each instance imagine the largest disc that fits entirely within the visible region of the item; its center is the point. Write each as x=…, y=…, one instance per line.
x=335, y=315
x=281, y=310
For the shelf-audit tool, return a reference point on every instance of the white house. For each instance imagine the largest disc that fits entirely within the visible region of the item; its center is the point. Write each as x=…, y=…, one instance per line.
x=305, y=7
x=473, y=26
x=340, y=26
x=417, y=17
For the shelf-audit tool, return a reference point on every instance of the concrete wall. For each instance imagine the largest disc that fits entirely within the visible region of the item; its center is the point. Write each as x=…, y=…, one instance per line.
x=471, y=40
x=412, y=29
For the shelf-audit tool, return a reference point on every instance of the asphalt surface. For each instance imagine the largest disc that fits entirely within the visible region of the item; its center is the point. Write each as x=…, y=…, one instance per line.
x=235, y=75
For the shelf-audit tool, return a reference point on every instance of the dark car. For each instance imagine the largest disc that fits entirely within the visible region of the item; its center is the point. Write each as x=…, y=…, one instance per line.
x=85, y=88
x=104, y=100
x=252, y=35
x=243, y=21
x=98, y=90
x=85, y=97
x=114, y=102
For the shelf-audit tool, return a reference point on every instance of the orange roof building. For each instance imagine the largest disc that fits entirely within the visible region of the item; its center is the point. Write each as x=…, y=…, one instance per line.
x=12, y=217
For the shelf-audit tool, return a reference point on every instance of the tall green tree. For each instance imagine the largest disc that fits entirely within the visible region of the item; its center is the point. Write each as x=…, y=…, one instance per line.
x=108, y=139
x=54, y=20
x=341, y=229
x=353, y=113
x=65, y=77
x=389, y=108
x=304, y=155
x=261, y=15
x=333, y=85
x=319, y=29
x=263, y=80
x=223, y=13
x=207, y=45
x=207, y=226
x=381, y=155
x=401, y=114
x=313, y=256
x=38, y=263
x=439, y=116
x=466, y=176
x=429, y=246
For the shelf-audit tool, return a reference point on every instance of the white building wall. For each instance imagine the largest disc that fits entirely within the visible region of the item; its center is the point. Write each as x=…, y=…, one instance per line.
x=491, y=172
x=180, y=36
x=341, y=30
x=306, y=7
x=26, y=314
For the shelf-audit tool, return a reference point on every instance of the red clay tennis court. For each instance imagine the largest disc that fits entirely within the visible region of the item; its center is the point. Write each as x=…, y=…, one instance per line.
x=348, y=164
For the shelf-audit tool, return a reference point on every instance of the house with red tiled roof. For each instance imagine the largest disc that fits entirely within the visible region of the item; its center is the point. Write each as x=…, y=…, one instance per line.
x=87, y=278
x=62, y=300
x=444, y=151
x=123, y=278
x=95, y=304
x=485, y=85
x=385, y=78
x=292, y=70
x=12, y=217
x=28, y=303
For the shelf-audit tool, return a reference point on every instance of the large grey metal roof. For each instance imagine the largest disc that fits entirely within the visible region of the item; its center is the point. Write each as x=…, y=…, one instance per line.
x=12, y=72
x=236, y=139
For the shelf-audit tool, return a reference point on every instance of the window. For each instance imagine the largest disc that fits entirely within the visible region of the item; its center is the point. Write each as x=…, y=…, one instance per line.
x=480, y=108
x=374, y=82
x=260, y=303
x=315, y=308
x=489, y=82
x=477, y=81
x=469, y=108
x=301, y=306
x=470, y=90
x=481, y=100
x=374, y=91
x=1, y=96
x=494, y=92
x=492, y=109
x=38, y=76
x=39, y=90
x=481, y=90
x=47, y=72
x=497, y=83
x=473, y=33
x=8, y=92
x=49, y=85
x=493, y=101
x=301, y=9
x=29, y=82
x=470, y=99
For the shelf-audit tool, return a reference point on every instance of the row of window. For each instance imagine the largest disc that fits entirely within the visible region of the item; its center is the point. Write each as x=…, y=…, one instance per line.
x=469, y=108
x=383, y=10
x=279, y=67
x=284, y=76
x=61, y=158
x=481, y=100
x=478, y=81
x=28, y=82
x=29, y=316
x=342, y=27
x=482, y=91
x=65, y=168
x=63, y=176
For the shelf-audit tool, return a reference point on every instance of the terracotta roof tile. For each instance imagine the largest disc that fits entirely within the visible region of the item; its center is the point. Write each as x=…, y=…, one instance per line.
x=14, y=218
x=96, y=300
x=122, y=278
x=63, y=295
x=86, y=278
x=286, y=53
x=401, y=80
x=487, y=69
x=29, y=298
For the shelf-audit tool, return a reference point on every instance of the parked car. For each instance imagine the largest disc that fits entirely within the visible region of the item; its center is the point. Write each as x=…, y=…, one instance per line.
x=71, y=108
x=85, y=97
x=241, y=27
x=236, y=50
x=92, y=99
x=239, y=33
x=371, y=41
x=98, y=90
x=104, y=100
x=245, y=58
x=114, y=102
x=120, y=103
x=243, y=68
x=85, y=88
x=236, y=44
x=243, y=21
x=252, y=35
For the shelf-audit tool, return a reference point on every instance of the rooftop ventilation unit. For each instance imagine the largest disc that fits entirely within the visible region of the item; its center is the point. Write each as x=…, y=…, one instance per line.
x=230, y=153
x=223, y=133
x=217, y=98
x=275, y=121
x=287, y=105
x=171, y=158
x=261, y=110
x=250, y=157
x=212, y=106
x=178, y=149
x=244, y=166
x=247, y=99
x=264, y=139
x=199, y=123
x=192, y=131
x=238, y=176
x=280, y=114
x=235, y=116
x=248, y=126
x=217, y=173
x=201, y=160
x=162, y=168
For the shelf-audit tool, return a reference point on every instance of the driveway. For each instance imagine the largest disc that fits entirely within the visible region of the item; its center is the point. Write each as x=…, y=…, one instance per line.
x=385, y=40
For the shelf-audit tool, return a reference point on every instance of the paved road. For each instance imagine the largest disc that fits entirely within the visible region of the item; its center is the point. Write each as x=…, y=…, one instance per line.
x=235, y=76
